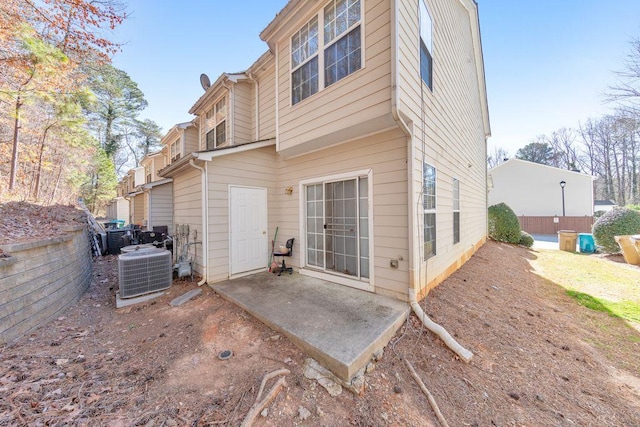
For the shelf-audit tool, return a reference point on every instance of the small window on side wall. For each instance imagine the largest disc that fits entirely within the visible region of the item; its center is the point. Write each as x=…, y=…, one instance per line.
x=426, y=45
x=429, y=209
x=456, y=211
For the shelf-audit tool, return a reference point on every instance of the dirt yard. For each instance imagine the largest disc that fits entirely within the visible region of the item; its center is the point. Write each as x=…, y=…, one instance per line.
x=540, y=360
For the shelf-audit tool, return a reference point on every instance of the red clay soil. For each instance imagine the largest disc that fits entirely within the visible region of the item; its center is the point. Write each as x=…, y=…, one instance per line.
x=540, y=360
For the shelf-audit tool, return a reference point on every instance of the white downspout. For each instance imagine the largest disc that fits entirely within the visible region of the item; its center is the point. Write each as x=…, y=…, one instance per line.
x=205, y=219
x=149, y=219
x=230, y=112
x=276, y=88
x=257, y=104
x=463, y=353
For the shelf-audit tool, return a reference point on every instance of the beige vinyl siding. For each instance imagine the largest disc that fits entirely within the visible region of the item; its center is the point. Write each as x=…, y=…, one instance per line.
x=202, y=132
x=161, y=206
x=266, y=102
x=357, y=98
x=158, y=164
x=255, y=168
x=145, y=210
x=122, y=210
x=187, y=208
x=138, y=209
x=384, y=153
x=453, y=136
x=242, y=123
x=191, y=140
x=118, y=209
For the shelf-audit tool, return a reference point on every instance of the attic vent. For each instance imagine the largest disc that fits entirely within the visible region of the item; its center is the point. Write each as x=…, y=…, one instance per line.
x=144, y=272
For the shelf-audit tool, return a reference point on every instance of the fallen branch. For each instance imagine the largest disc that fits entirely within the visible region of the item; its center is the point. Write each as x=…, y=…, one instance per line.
x=430, y=398
x=259, y=405
x=267, y=377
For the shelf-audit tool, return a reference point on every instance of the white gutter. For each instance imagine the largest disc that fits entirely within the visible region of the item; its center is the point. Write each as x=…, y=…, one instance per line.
x=147, y=191
x=464, y=354
x=205, y=219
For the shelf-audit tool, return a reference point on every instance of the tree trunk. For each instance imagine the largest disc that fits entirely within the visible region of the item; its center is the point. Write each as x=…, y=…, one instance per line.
x=55, y=188
x=16, y=138
x=39, y=168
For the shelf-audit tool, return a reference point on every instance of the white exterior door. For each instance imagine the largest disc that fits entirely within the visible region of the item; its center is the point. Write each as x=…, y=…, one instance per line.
x=248, y=238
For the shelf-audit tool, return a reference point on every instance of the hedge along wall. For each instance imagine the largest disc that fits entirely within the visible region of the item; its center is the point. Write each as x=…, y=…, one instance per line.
x=40, y=279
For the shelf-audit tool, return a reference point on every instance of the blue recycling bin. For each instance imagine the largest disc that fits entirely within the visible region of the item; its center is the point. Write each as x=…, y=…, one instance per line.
x=586, y=243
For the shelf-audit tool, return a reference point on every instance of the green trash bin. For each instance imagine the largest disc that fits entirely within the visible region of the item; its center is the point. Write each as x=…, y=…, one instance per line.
x=586, y=243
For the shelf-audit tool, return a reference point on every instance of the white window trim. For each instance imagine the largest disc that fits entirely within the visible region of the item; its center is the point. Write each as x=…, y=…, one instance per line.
x=453, y=198
x=427, y=36
x=212, y=123
x=321, y=48
x=175, y=154
x=434, y=211
x=335, y=277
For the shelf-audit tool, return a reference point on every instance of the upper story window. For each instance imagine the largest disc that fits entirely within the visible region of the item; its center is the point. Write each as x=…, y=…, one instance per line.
x=216, y=124
x=175, y=150
x=426, y=45
x=335, y=47
x=147, y=173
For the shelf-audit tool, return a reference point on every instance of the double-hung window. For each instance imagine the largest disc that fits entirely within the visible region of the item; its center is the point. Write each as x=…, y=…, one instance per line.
x=332, y=42
x=174, y=150
x=147, y=173
x=216, y=120
x=456, y=211
x=426, y=45
x=429, y=209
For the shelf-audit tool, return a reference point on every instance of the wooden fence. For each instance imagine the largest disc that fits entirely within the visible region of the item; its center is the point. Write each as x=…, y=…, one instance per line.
x=546, y=224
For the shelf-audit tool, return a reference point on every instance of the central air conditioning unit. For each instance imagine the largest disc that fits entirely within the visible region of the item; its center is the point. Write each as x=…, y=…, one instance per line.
x=144, y=272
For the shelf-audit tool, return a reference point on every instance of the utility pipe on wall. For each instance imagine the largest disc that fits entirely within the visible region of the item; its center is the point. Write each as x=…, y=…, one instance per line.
x=463, y=353
x=205, y=218
x=257, y=104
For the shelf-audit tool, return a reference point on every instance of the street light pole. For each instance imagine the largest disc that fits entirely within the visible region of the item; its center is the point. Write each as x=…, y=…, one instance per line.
x=562, y=184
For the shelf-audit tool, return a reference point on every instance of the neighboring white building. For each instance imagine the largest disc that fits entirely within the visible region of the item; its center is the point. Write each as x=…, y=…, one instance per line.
x=604, y=205
x=533, y=189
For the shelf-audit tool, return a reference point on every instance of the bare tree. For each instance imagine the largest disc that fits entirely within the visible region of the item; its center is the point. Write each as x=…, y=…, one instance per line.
x=498, y=156
x=565, y=154
x=626, y=89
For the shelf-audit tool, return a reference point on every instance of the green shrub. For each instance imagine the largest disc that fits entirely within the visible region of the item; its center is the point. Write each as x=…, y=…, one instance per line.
x=616, y=222
x=503, y=224
x=526, y=239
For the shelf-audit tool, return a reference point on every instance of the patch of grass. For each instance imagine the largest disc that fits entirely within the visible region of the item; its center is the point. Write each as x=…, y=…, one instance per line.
x=627, y=310
x=593, y=282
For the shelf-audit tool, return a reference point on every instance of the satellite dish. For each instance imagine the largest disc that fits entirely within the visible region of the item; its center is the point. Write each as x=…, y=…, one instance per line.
x=204, y=81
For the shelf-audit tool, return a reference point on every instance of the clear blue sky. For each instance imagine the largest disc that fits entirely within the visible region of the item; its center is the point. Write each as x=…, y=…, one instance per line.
x=547, y=62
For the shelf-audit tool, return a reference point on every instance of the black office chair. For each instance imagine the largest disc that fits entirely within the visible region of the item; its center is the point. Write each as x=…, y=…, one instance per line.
x=277, y=253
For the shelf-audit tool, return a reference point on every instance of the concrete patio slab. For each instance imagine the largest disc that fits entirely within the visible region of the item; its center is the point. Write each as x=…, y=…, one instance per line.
x=338, y=326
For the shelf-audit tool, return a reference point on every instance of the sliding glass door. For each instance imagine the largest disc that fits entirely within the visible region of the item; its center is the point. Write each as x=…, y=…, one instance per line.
x=337, y=220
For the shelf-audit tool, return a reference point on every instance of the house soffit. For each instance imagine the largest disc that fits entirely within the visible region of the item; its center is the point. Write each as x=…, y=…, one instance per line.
x=174, y=168
x=294, y=14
